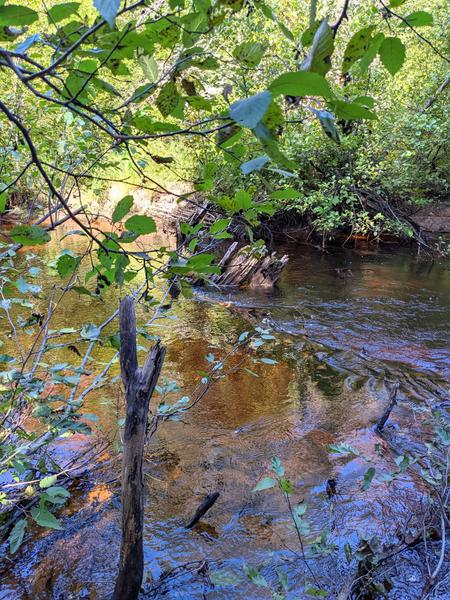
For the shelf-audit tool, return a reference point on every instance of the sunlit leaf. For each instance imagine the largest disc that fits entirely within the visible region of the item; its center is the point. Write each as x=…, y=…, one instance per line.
x=255, y=576
x=249, y=53
x=59, y=12
x=250, y=111
x=315, y=592
x=29, y=235
x=122, y=208
x=420, y=18
x=318, y=59
x=392, y=54
x=301, y=83
x=140, y=224
x=256, y=164
x=17, y=15
x=108, y=9
x=48, y=481
x=265, y=484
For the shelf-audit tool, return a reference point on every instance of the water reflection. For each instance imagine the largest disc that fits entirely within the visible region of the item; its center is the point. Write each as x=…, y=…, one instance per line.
x=345, y=322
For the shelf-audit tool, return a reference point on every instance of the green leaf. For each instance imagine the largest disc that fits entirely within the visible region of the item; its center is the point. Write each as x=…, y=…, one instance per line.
x=242, y=200
x=44, y=518
x=282, y=578
x=277, y=466
x=286, y=486
x=149, y=67
x=250, y=111
x=366, y=101
x=318, y=59
x=392, y=54
x=368, y=477
x=286, y=32
x=108, y=10
x=395, y=3
x=372, y=51
x=301, y=83
x=62, y=11
x=308, y=35
x=47, y=481
x=420, y=18
x=29, y=235
x=351, y=110
x=357, y=47
x=16, y=536
x=265, y=484
x=222, y=578
x=254, y=575
x=342, y=449
x=286, y=194
x=168, y=99
x=256, y=164
x=328, y=124
x=311, y=590
x=249, y=53
x=122, y=208
x=66, y=263
x=57, y=494
x=6, y=358
x=17, y=15
x=140, y=224
x=300, y=510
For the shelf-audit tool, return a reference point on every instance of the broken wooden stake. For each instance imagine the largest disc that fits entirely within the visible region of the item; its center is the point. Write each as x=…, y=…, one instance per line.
x=139, y=386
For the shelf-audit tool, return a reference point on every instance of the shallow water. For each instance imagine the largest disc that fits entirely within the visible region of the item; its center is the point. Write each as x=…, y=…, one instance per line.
x=344, y=321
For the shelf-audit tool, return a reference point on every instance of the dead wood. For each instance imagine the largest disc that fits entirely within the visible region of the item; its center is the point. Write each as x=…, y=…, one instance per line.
x=392, y=402
x=209, y=501
x=247, y=267
x=139, y=386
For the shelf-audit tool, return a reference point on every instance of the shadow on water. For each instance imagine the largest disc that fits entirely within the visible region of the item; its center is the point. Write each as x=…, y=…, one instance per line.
x=344, y=324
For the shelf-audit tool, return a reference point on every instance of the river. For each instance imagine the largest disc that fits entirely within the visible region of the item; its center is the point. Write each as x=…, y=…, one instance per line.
x=344, y=322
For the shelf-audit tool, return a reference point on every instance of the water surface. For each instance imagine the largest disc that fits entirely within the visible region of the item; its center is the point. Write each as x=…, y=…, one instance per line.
x=344, y=322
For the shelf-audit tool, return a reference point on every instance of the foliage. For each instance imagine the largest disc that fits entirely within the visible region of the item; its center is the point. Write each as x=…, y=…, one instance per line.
x=429, y=463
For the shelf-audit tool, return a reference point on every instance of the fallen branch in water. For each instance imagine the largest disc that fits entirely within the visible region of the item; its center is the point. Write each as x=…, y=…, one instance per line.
x=207, y=503
x=392, y=402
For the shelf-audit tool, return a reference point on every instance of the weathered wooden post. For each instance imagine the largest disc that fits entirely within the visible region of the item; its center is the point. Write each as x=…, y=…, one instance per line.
x=139, y=386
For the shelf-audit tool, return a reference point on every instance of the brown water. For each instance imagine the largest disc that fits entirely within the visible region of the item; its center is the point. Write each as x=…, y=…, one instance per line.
x=344, y=322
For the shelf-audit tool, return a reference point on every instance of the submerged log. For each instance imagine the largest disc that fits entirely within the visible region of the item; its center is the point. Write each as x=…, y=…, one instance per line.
x=247, y=266
x=139, y=386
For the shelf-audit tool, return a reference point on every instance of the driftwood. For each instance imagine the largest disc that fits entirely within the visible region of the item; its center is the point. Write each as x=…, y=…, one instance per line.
x=209, y=501
x=139, y=386
x=244, y=266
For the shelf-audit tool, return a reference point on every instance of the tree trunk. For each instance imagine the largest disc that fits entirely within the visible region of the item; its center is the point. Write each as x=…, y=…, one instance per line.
x=139, y=386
